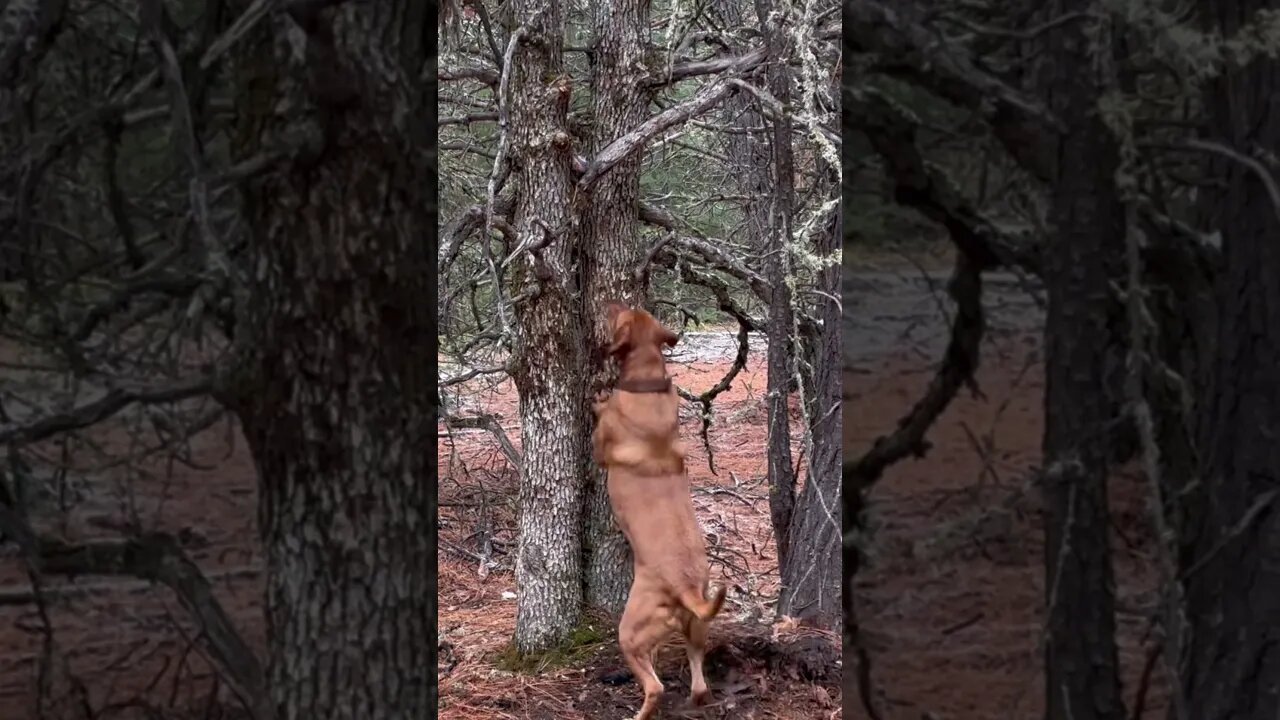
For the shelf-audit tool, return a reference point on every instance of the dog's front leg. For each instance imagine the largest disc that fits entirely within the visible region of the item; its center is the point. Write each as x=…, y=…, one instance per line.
x=600, y=403
x=599, y=440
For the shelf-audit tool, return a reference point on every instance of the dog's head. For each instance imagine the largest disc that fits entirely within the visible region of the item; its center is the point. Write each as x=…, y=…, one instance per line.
x=634, y=328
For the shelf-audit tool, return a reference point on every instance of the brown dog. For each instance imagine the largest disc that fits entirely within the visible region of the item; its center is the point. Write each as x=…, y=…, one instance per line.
x=637, y=441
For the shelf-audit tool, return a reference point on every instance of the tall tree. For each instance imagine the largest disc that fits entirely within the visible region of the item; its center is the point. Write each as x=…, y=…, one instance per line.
x=330, y=386
x=1231, y=545
x=1087, y=219
x=548, y=355
x=613, y=255
x=781, y=323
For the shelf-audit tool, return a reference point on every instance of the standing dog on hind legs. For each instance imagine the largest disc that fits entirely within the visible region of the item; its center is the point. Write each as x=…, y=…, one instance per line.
x=637, y=441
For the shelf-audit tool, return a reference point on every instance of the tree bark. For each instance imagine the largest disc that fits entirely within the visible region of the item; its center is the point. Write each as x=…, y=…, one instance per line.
x=811, y=580
x=781, y=325
x=1231, y=549
x=613, y=254
x=332, y=390
x=547, y=360
x=1087, y=216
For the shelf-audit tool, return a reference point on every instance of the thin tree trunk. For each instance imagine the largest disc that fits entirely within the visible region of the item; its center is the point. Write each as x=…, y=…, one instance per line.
x=1081, y=663
x=782, y=479
x=332, y=391
x=747, y=146
x=1231, y=548
x=613, y=254
x=547, y=362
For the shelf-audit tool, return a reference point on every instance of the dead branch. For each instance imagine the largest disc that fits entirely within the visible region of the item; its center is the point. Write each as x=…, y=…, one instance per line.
x=159, y=557
x=910, y=51
x=925, y=187
x=484, y=75
x=726, y=63
x=637, y=139
x=490, y=423
x=109, y=404
x=958, y=366
x=1249, y=163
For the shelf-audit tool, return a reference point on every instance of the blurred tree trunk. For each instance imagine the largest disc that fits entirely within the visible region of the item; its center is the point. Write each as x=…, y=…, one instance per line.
x=332, y=391
x=746, y=145
x=1081, y=663
x=612, y=254
x=1231, y=546
x=548, y=357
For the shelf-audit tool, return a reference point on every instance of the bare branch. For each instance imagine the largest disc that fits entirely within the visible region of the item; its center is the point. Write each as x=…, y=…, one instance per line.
x=490, y=423
x=160, y=558
x=1252, y=164
x=926, y=188
x=634, y=141
x=484, y=75
x=469, y=118
x=910, y=51
x=728, y=63
x=958, y=366
x=94, y=412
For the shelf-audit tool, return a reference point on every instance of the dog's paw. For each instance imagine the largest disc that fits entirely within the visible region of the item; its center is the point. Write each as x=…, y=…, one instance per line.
x=699, y=699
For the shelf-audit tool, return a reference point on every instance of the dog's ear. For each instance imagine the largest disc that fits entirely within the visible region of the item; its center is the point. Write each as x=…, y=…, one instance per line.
x=621, y=321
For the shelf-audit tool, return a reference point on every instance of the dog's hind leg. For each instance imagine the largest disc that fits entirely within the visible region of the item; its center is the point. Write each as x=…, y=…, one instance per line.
x=695, y=635
x=639, y=635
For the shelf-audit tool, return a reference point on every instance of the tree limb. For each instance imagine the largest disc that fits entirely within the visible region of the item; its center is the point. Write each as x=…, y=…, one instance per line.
x=488, y=422
x=911, y=52
x=958, y=367
x=109, y=404
x=635, y=140
x=736, y=63
x=159, y=557
x=926, y=188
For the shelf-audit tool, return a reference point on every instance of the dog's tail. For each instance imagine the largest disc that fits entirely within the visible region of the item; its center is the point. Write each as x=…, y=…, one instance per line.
x=705, y=608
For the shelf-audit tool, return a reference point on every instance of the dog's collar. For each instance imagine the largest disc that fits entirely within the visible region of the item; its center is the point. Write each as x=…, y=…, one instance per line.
x=645, y=385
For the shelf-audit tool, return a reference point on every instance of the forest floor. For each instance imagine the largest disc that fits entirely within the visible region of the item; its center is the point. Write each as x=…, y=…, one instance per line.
x=951, y=604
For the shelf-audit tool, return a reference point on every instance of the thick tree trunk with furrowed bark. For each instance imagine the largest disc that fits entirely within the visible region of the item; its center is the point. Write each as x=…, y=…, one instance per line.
x=612, y=254
x=332, y=390
x=1231, y=543
x=548, y=357
x=1082, y=668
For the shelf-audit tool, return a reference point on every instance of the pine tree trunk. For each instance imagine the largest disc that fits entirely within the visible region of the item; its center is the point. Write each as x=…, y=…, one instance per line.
x=548, y=358
x=333, y=394
x=1231, y=561
x=1081, y=662
x=613, y=251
